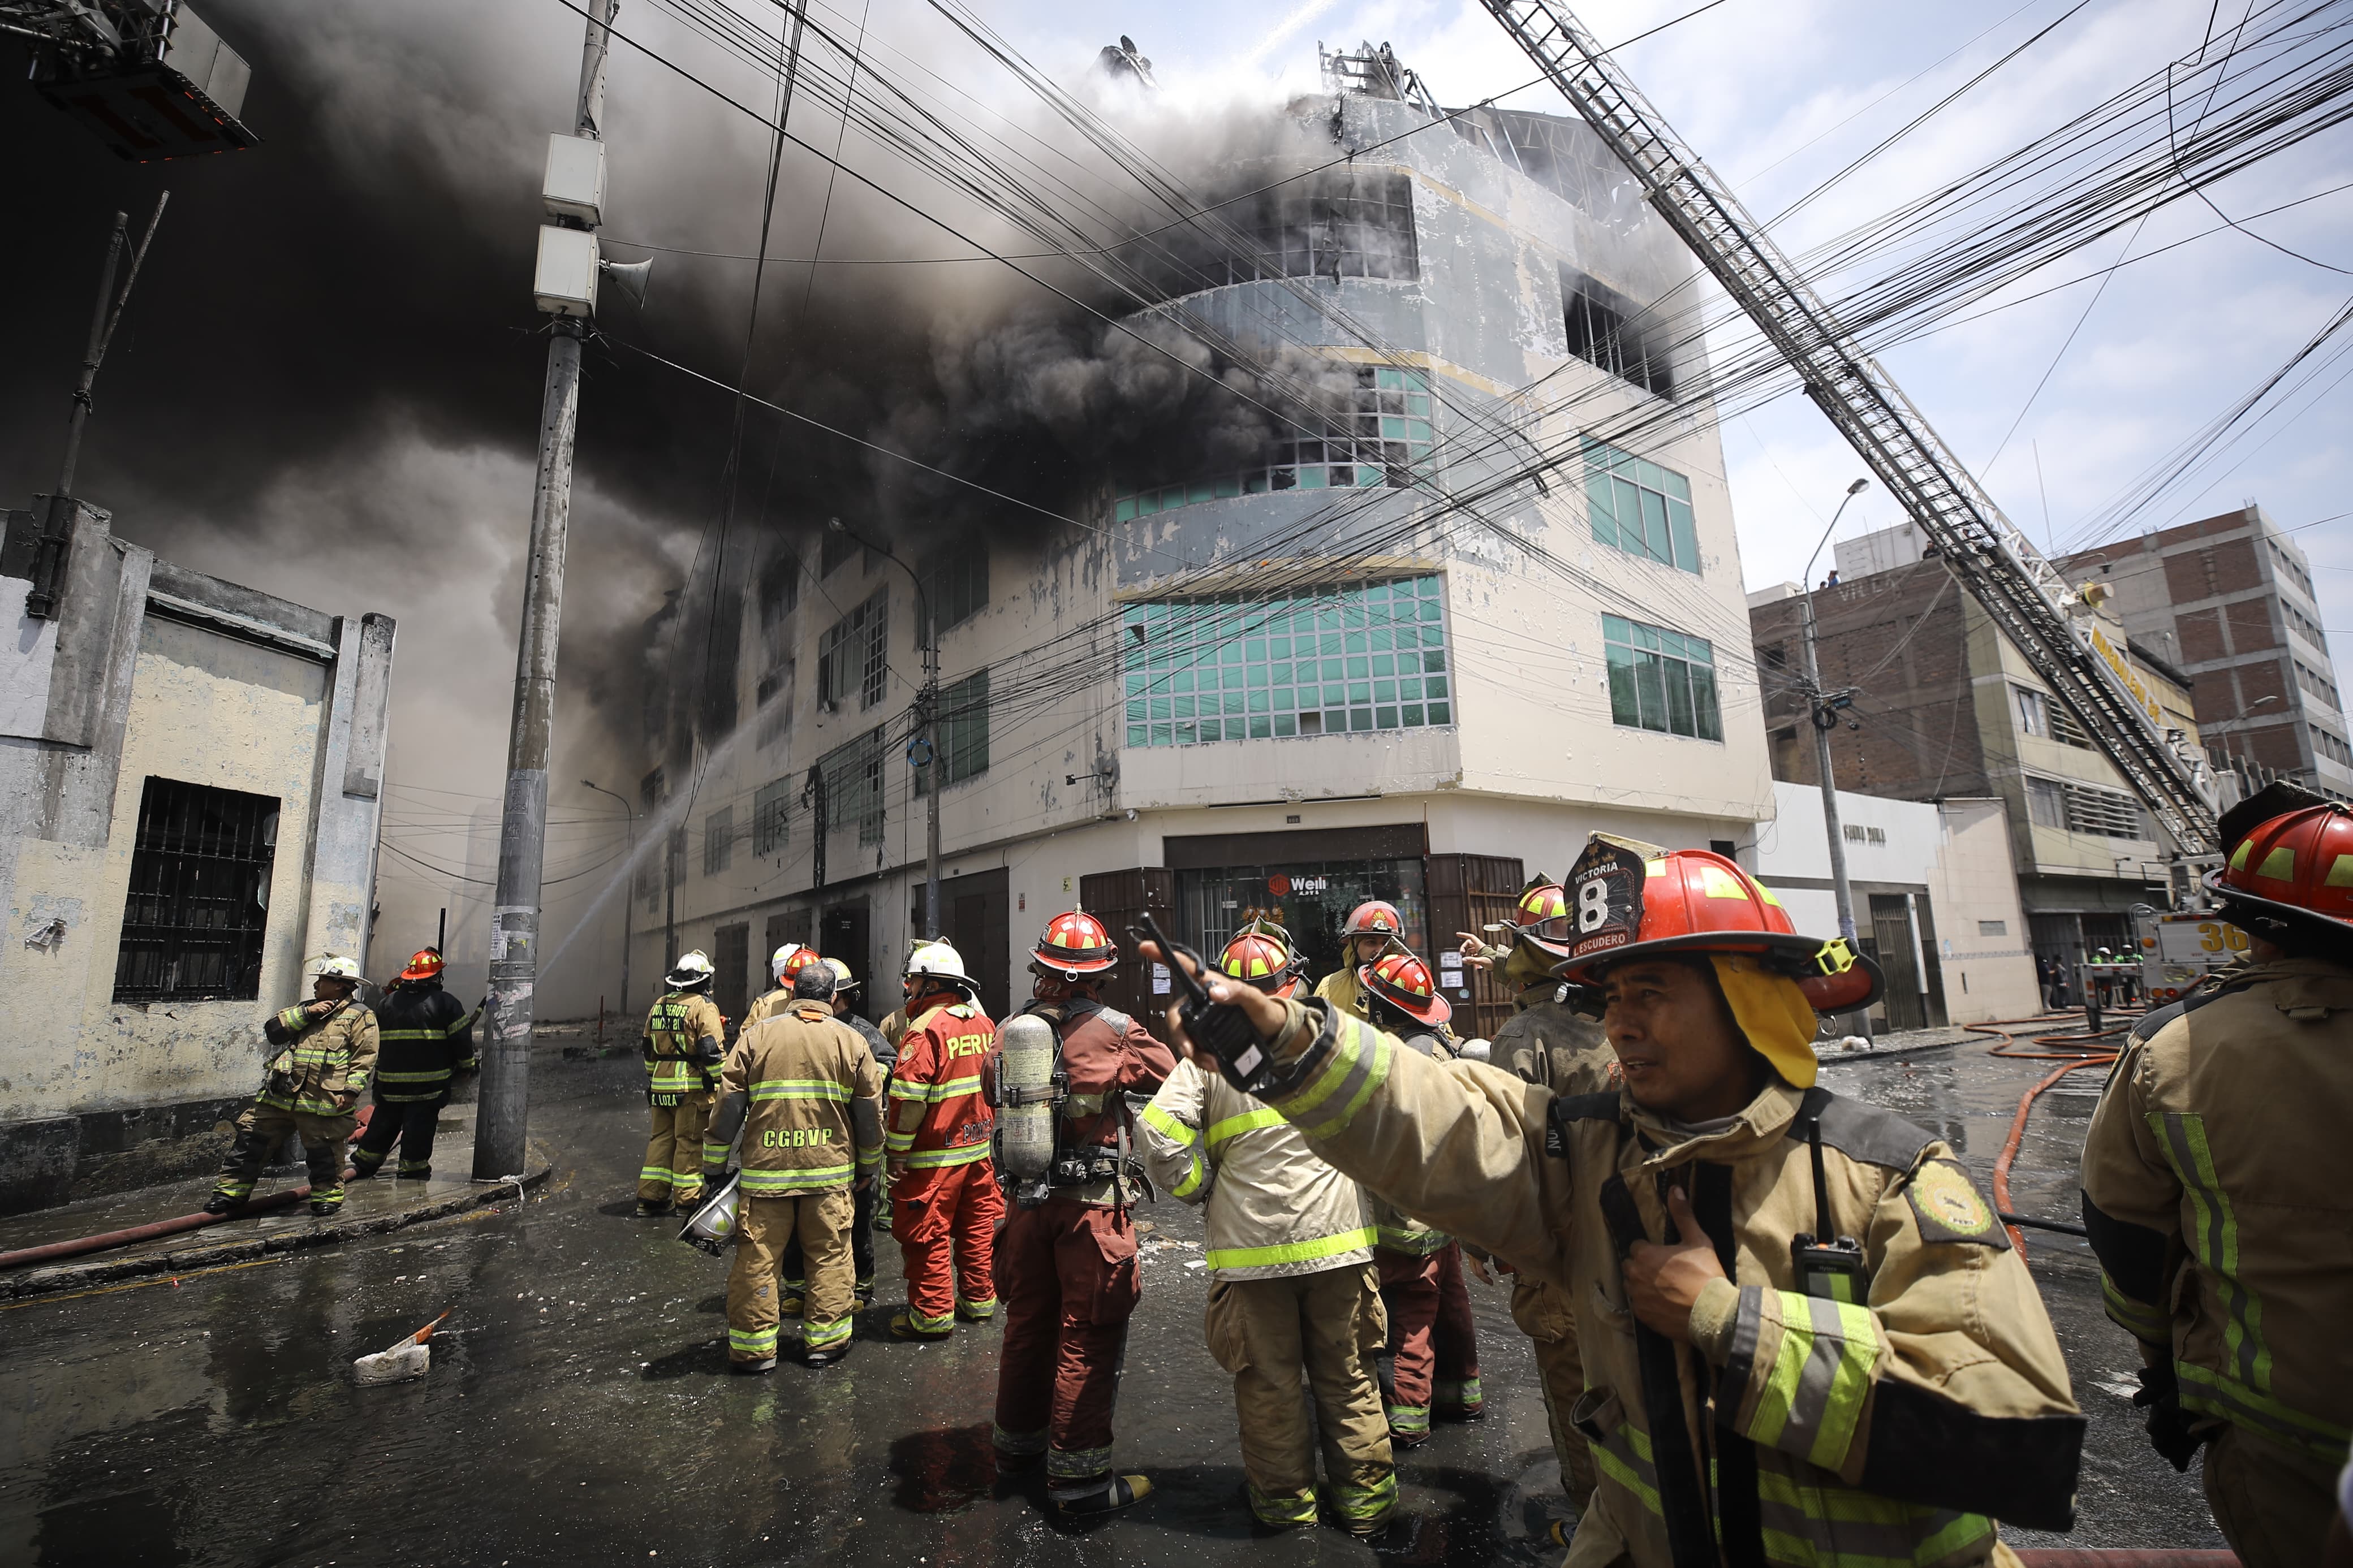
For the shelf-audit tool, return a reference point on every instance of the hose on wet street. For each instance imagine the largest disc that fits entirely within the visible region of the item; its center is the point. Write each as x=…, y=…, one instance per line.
x=2086, y=1051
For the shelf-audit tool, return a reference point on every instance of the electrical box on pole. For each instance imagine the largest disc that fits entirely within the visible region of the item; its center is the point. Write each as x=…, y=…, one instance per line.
x=150, y=78
x=2019, y=588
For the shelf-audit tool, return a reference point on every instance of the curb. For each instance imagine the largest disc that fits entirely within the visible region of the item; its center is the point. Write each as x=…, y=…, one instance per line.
x=188, y=1259
x=1834, y=1058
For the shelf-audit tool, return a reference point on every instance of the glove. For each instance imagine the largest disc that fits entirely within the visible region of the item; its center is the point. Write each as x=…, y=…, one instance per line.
x=713, y=1177
x=2168, y=1426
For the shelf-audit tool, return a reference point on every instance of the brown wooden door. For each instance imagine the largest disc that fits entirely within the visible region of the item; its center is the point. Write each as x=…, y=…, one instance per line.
x=1119, y=900
x=1471, y=892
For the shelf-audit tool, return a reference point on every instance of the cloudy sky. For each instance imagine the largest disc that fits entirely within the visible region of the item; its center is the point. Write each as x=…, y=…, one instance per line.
x=327, y=383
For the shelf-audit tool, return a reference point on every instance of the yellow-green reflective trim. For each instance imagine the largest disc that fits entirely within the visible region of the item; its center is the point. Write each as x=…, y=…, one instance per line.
x=762, y=1182
x=2148, y=1324
x=932, y=1159
x=955, y=1088
x=1235, y=1126
x=1167, y=1124
x=800, y=1089
x=1291, y=1251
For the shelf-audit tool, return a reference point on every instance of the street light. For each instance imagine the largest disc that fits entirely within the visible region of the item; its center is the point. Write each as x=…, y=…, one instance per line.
x=927, y=710
x=629, y=890
x=1840, y=889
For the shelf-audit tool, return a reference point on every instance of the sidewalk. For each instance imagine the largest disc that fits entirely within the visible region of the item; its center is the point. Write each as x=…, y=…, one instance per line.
x=380, y=1204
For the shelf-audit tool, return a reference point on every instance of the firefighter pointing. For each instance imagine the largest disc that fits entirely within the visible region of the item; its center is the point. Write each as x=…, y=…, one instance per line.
x=1067, y=1257
x=1801, y=1323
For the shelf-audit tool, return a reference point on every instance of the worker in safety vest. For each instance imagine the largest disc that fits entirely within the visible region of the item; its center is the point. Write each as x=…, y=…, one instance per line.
x=426, y=1038
x=866, y=1196
x=1755, y=1374
x=327, y=1052
x=1067, y=1260
x=685, y=1038
x=804, y=1091
x=1548, y=1042
x=944, y=1198
x=1372, y=929
x=785, y=964
x=1433, y=1347
x=1294, y=1288
x=2213, y=1154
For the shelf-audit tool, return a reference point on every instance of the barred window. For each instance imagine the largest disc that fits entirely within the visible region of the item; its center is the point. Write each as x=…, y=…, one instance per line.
x=1312, y=661
x=853, y=785
x=1639, y=507
x=854, y=654
x=1661, y=679
x=963, y=733
x=199, y=895
x=718, y=840
x=769, y=803
x=1384, y=440
x=955, y=584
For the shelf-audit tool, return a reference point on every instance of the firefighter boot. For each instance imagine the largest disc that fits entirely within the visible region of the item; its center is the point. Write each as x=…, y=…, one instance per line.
x=222, y=1202
x=1098, y=1494
x=904, y=1327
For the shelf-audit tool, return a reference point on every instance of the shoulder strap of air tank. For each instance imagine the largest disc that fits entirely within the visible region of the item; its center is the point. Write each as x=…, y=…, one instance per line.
x=1568, y=1107
x=1857, y=1130
x=1683, y=1503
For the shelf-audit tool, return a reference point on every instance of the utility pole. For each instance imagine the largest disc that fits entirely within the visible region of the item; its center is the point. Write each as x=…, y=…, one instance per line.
x=505, y=1095
x=927, y=715
x=1824, y=714
x=628, y=892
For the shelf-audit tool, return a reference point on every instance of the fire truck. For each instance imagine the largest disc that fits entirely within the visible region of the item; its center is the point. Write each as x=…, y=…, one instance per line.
x=2178, y=951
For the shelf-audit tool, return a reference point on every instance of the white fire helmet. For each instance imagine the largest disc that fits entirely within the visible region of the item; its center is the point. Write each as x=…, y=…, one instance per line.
x=781, y=965
x=938, y=960
x=335, y=966
x=692, y=970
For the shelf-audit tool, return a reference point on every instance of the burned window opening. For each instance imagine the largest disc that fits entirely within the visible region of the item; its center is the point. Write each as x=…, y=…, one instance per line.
x=1610, y=332
x=1384, y=440
x=1341, y=223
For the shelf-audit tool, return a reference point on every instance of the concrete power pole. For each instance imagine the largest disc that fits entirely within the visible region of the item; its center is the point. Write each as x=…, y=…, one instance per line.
x=504, y=1100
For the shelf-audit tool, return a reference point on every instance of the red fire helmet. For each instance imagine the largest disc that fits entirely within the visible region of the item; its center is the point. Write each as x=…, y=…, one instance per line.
x=1405, y=983
x=1373, y=918
x=1628, y=900
x=1261, y=954
x=425, y=965
x=1075, y=944
x=2294, y=865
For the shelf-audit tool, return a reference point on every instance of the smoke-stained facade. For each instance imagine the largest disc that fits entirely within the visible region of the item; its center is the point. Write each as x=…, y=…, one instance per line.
x=1306, y=650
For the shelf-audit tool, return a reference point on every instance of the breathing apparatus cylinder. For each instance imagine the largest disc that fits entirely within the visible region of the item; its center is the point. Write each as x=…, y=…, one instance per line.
x=1025, y=1097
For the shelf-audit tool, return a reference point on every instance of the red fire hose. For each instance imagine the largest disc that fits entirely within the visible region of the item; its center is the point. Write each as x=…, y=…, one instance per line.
x=2086, y=1053
x=53, y=1250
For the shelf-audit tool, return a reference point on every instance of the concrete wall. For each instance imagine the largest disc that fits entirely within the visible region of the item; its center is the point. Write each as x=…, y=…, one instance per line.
x=188, y=678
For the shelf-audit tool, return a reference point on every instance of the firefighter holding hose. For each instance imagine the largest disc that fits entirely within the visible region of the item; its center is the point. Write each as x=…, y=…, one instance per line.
x=1801, y=1323
x=2212, y=1155
x=1067, y=1260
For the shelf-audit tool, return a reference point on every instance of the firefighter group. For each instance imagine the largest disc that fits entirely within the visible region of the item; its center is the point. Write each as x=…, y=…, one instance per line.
x=1772, y=1324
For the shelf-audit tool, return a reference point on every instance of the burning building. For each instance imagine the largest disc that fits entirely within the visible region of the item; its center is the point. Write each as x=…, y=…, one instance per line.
x=1466, y=594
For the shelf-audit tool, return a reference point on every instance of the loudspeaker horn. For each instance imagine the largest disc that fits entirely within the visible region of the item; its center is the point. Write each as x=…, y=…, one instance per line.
x=629, y=278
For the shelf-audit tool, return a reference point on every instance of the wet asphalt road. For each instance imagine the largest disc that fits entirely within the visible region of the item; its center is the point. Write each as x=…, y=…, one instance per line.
x=579, y=1410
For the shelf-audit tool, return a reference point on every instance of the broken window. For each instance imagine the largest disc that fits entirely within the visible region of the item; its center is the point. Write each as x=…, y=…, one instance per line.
x=779, y=585
x=1661, y=680
x=1383, y=439
x=1639, y=507
x=853, y=785
x=1610, y=332
x=1312, y=661
x=769, y=803
x=1335, y=224
x=2033, y=711
x=199, y=895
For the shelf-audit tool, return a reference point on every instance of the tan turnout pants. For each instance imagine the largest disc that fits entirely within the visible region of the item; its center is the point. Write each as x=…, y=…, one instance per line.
x=673, y=1169
x=2273, y=1504
x=762, y=1225
x=1263, y=1331
x=1545, y=1316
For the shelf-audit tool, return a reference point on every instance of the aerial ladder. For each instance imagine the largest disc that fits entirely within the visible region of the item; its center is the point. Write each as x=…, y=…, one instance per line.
x=2029, y=600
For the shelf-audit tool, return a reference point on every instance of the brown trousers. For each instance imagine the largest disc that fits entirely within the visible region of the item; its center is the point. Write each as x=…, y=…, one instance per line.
x=1263, y=1331
x=2273, y=1504
x=1544, y=1315
x=674, y=1167
x=820, y=1222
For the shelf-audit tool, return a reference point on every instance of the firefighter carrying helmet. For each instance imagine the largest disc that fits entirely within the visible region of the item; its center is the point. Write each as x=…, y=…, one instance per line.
x=1628, y=899
x=425, y=964
x=1373, y=918
x=1262, y=955
x=937, y=961
x=2291, y=861
x=1074, y=943
x=692, y=972
x=1404, y=982
x=786, y=963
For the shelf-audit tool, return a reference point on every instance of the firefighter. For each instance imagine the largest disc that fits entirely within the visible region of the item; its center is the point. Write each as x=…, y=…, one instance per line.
x=1753, y=1371
x=2210, y=1155
x=1434, y=1348
x=944, y=1198
x=1068, y=1257
x=1373, y=928
x=1293, y=1286
x=803, y=1089
x=685, y=1038
x=426, y=1038
x=785, y=964
x=862, y=1230
x=327, y=1051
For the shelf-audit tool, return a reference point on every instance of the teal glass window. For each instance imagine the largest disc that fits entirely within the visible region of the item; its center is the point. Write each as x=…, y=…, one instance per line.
x=1639, y=507
x=1383, y=439
x=1219, y=645
x=1661, y=679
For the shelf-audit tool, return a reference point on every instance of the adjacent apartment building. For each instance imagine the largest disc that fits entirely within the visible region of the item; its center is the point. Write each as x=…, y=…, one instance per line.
x=1298, y=680
x=1948, y=708
x=190, y=773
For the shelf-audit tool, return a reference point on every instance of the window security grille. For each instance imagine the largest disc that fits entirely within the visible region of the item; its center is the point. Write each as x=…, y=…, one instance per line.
x=199, y=895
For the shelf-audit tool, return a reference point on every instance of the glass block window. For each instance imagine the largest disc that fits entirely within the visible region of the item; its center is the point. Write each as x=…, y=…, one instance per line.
x=1386, y=440
x=1661, y=679
x=1314, y=661
x=1638, y=507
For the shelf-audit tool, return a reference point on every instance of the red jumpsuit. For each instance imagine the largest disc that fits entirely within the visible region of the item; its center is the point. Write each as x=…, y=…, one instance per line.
x=947, y=1203
x=1070, y=1263
x=1433, y=1344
